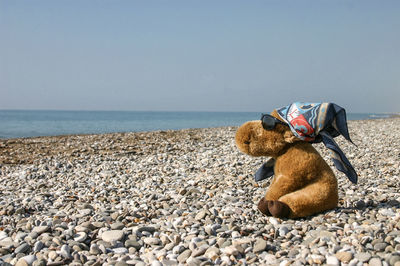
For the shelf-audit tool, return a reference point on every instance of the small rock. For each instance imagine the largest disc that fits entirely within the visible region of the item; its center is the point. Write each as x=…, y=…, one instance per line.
x=152, y=241
x=273, y=220
x=112, y=235
x=344, y=256
x=375, y=262
x=85, y=212
x=332, y=260
x=260, y=245
x=212, y=253
x=52, y=255
x=22, y=248
x=40, y=229
x=38, y=246
x=231, y=250
x=80, y=236
x=394, y=259
x=380, y=247
x=21, y=262
x=39, y=262
x=94, y=249
x=65, y=252
x=200, y=215
x=120, y=250
x=29, y=259
x=283, y=231
x=363, y=256
x=199, y=251
x=150, y=229
x=132, y=243
x=117, y=226
x=184, y=256
x=3, y=235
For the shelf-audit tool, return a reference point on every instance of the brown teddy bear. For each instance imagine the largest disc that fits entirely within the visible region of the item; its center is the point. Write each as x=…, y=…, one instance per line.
x=303, y=182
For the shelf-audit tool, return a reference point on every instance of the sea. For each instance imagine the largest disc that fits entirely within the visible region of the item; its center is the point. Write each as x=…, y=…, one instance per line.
x=28, y=123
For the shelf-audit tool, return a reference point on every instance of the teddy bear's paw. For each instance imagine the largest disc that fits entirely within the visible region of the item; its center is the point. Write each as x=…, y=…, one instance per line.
x=263, y=206
x=278, y=208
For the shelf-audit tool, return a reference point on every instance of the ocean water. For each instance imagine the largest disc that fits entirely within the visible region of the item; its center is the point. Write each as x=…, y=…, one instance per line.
x=17, y=124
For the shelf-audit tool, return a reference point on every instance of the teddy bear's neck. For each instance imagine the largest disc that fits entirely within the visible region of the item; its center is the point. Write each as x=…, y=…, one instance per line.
x=292, y=146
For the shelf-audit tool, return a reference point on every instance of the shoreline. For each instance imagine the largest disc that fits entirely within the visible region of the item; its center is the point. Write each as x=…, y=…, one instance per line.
x=2, y=138
x=187, y=196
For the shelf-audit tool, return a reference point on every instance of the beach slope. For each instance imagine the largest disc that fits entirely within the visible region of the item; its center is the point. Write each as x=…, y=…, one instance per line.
x=187, y=197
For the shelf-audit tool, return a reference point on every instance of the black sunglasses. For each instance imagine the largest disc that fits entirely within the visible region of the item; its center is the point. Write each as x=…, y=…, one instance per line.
x=269, y=122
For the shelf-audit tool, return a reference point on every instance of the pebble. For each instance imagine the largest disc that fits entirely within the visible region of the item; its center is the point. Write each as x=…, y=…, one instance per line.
x=40, y=229
x=188, y=197
x=363, y=256
x=344, y=256
x=184, y=256
x=332, y=260
x=22, y=248
x=375, y=262
x=260, y=245
x=152, y=241
x=112, y=235
x=80, y=237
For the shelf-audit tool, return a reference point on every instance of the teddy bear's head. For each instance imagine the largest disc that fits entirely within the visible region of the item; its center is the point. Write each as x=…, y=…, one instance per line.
x=253, y=139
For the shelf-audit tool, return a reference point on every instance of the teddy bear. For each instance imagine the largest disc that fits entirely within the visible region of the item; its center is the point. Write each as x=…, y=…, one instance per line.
x=303, y=183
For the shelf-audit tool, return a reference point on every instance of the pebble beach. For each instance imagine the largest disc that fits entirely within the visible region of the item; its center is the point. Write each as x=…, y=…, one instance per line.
x=188, y=197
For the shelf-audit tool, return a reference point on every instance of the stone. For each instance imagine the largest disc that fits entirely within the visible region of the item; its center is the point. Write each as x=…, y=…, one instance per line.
x=393, y=259
x=117, y=226
x=40, y=229
x=22, y=248
x=199, y=251
x=39, y=262
x=231, y=250
x=112, y=235
x=152, y=241
x=363, y=256
x=344, y=256
x=332, y=260
x=283, y=231
x=200, y=215
x=94, y=249
x=380, y=247
x=212, y=253
x=21, y=262
x=150, y=229
x=184, y=256
x=80, y=236
x=65, y=251
x=260, y=245
x=120, y=250
x=375, y=262
x=132, y=243
x=38, y=246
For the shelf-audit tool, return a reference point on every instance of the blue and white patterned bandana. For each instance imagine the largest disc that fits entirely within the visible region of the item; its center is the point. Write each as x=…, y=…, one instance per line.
x=316, y=122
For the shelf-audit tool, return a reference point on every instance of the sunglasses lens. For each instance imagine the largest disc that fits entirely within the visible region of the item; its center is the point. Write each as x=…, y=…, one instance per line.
x=268, y=122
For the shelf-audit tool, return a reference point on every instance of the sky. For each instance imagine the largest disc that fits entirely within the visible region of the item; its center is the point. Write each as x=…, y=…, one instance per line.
x=199, y=55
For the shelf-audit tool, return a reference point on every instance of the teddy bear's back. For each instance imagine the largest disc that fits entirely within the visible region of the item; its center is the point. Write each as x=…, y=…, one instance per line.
x=304, y=165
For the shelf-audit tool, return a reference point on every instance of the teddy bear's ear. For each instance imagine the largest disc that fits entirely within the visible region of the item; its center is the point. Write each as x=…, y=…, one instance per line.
x=290, y=137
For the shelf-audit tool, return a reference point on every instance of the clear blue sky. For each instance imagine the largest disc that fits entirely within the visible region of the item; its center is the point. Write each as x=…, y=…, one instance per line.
x=199, y=55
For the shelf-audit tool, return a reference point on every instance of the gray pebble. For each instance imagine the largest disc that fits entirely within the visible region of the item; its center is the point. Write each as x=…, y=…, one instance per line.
x=184, y=256
x=112, y=235
x=22, y=248
x=363, y=256
x=260, y=245
x=375, y=262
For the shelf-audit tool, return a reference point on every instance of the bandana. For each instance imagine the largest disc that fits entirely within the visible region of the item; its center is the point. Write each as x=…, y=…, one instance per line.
x=316, y=122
